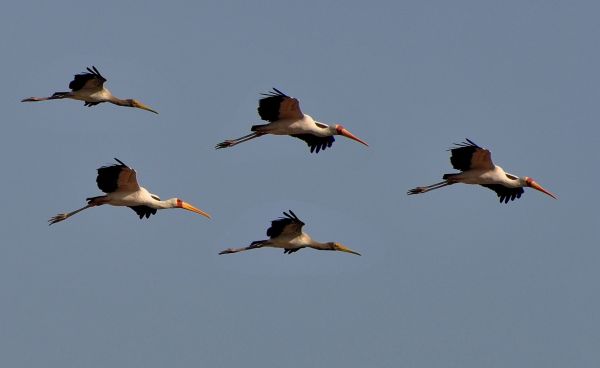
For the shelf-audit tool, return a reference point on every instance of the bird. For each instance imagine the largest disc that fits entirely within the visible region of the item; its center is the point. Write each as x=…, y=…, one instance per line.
x=119, y=182
x=286, y=232
x=89, y=88
x=476, y=166
x=285, y=118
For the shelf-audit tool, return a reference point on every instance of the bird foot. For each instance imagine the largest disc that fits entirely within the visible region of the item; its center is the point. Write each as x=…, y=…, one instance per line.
x=417, y=190
x=58, y=218
x=225, y=144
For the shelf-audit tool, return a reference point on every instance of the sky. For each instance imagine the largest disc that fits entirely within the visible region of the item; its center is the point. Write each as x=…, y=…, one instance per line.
x=449, y=278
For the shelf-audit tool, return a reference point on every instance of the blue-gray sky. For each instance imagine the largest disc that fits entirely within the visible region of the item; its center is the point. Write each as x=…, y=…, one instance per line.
x=447, y=279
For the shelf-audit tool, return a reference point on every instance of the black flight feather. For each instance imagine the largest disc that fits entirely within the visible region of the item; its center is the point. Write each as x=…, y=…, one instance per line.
x=268, y=107
x=461, y=155
x=315, y=143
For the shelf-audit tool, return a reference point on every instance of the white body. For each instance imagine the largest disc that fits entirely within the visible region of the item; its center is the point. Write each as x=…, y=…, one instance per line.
x=306, y=125
x=84, y=94
x=140, y=197
x=482, y=176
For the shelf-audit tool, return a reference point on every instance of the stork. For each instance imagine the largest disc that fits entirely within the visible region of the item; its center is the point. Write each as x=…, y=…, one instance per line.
x=119, y=182
x=476, y=166
x=286, y=232
x=89, y=88
x=285, y=118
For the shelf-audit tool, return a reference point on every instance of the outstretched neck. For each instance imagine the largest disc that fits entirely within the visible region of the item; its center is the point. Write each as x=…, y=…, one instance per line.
x=120, y=102
x=321, y=246
x=161, y=205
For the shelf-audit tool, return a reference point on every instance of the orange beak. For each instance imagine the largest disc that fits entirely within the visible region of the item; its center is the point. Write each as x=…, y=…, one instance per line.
x=343, y=131
x=189, y=207
x=532, y=183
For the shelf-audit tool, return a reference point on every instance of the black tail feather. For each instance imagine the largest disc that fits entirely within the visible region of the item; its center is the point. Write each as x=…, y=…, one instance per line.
x=448, y=176
x=256, y=128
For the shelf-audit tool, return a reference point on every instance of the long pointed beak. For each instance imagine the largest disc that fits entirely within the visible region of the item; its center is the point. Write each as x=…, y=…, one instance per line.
x=189, y=207
x=347, y=134
x=536, y=186
x=144, y=107
x=342, y=248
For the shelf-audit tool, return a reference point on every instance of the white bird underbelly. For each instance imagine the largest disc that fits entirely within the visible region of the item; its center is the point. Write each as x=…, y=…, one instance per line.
x=306, y=125
x=98, y=96
x=138, y=198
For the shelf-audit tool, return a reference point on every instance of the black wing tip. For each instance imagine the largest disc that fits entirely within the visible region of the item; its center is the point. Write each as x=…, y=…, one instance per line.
x=274, y=93
x=120, y=162
x=466, y=143
x=292, y=216
x=93, y=71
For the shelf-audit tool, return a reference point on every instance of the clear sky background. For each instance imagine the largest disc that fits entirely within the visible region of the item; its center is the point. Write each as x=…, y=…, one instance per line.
x=451, y=278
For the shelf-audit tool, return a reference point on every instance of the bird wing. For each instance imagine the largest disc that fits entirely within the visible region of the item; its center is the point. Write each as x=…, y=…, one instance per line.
x=504, y=193
x=290, y=225
x=277, y=105
x=314, y=142
x=117, y=178
x=92, y=80
x=144, y=211
x=468, y=155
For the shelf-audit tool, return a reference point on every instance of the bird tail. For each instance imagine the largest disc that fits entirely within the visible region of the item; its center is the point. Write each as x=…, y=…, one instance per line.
x=94, y=200
x=448, y=176
x=57, y=95
x=258, y=128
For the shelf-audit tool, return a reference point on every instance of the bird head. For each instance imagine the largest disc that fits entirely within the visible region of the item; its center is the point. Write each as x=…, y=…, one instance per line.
x=533, y=184
x=186, y=206
x=139, y=105
x=340, y=130
x=340, y=248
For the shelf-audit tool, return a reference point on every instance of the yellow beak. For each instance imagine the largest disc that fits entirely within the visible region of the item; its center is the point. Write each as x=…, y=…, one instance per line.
x=347, y=134
x=189, y=207
x=536, y=186
x=140, y=105
x=342, y=248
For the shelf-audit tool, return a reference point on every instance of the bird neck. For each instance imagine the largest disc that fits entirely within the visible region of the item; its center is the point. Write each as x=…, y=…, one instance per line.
x=169, y=203
x=321, y=246
x=120, y=102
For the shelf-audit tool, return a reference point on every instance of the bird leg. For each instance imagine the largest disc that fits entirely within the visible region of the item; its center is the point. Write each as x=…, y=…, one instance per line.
x=63, y=216
x=233, y=142
x=55, y=96
x=254, y=245
x=419, y=190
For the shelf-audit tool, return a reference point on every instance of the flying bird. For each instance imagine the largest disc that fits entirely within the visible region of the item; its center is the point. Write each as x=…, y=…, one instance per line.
x=89, y=88
x=476, y=166
x=285, y=118
x=120, y=184
x=286, y=232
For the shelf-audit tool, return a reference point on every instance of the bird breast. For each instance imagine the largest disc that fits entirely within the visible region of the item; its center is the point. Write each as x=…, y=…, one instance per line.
x=137, y=198
x=92, y=95
x=306, y=125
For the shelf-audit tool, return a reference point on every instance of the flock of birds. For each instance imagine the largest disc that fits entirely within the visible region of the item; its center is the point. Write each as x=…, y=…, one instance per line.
x=284, y=117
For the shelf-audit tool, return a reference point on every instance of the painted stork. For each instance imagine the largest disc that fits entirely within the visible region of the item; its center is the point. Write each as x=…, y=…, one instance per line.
x=286, y=232
x=476, y=166
x=89, y=88
x=285, y=118
x=120, y=184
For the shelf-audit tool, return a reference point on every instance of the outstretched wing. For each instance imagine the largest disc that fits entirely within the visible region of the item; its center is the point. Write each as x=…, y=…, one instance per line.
x=92, y=79
x=116, y=178
x=144, y=211
x=505, y=194
x=277, y=105
x=290, y=225
x=314, y=142
x=468, y=155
